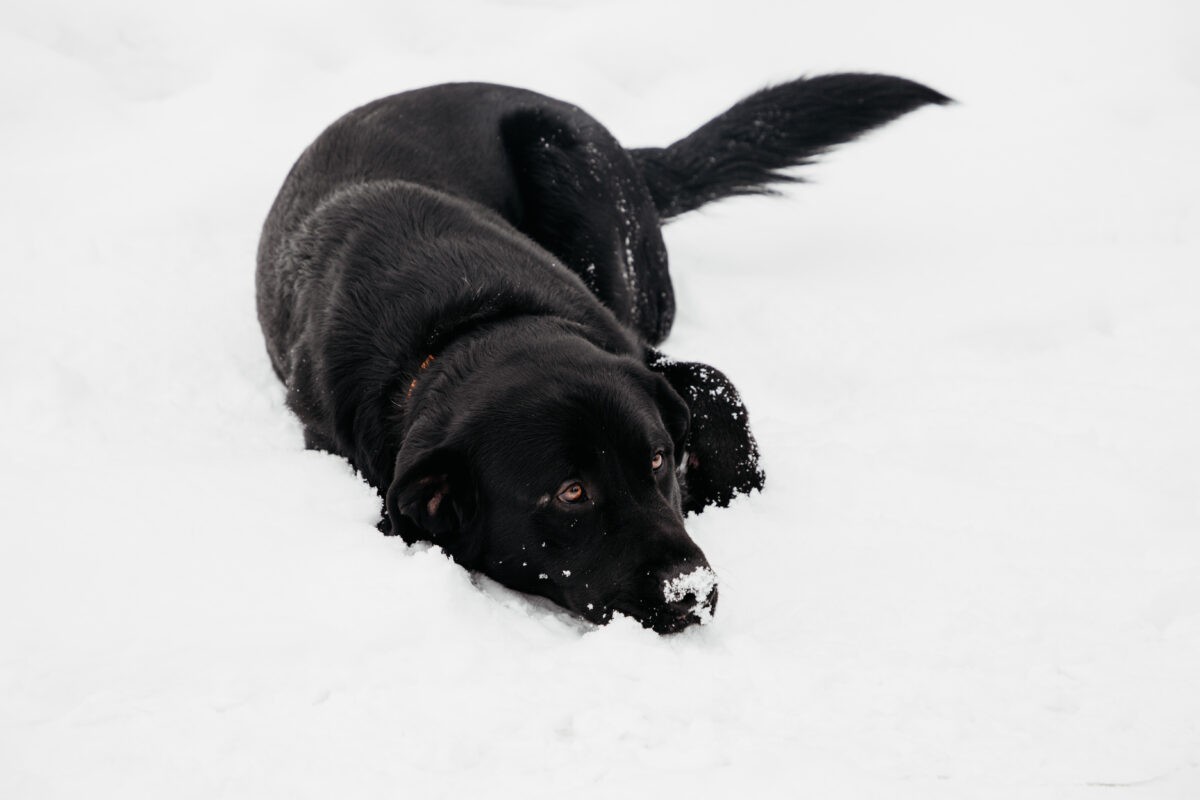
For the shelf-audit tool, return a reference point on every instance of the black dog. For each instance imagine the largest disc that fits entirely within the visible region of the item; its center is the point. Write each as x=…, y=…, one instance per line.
x=460, y=287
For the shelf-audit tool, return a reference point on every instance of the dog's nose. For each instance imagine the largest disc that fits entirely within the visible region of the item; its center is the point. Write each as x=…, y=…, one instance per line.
x=689, y=593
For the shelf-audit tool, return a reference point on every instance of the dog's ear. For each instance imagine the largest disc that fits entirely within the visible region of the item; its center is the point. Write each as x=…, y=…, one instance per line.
x=433, y=497
x=720, y=456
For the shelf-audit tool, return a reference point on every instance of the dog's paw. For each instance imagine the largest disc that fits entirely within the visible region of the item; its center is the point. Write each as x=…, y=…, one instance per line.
x=721, y=456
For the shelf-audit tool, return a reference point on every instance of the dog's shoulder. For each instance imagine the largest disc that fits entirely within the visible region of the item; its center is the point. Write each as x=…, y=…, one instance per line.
x=384, y=274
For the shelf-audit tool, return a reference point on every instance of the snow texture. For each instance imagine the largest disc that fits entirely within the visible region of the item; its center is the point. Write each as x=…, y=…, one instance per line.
x=969, y=345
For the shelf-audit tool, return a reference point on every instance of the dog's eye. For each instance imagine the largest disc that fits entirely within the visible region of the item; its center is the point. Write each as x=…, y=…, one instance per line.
x=657, y=461
x=572, y=492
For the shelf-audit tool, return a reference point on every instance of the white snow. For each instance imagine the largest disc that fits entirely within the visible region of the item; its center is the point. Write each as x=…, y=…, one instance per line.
x=699, y=582
x=970, y=348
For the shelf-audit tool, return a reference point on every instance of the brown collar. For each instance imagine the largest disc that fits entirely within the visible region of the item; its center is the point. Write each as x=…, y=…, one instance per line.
x=429, y=359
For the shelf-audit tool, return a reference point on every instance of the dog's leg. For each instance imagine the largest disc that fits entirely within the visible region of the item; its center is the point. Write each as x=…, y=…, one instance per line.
x=583, y=199
x=721, y=456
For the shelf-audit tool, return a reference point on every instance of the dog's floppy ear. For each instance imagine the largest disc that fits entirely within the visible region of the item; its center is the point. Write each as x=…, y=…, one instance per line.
x=721, y=456
x=432, y=497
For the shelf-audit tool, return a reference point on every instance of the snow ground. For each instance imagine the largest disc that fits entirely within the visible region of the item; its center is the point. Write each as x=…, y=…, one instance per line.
x=970, y=350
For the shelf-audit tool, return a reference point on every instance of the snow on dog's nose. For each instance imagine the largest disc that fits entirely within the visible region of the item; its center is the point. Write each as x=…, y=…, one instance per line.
x=700, y=585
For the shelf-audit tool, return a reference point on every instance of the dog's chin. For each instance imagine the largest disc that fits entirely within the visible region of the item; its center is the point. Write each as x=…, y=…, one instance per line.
x=665, y=624
x=667, y=620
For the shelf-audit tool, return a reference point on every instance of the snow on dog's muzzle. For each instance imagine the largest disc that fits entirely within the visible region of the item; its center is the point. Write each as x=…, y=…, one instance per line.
x=701, y=585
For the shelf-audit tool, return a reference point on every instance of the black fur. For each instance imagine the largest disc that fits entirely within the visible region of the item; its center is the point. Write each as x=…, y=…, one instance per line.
x=461, y=287
x=741, y=151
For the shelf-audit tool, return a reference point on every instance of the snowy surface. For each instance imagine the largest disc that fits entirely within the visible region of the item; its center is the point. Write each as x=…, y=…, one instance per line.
x=970, y=348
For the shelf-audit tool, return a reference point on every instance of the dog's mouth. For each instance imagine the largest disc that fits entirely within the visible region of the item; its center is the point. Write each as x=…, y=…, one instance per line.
x=674, y=622
x=670, y=617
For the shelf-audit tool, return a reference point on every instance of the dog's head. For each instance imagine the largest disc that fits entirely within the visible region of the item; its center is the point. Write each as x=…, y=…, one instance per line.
x=559, y=474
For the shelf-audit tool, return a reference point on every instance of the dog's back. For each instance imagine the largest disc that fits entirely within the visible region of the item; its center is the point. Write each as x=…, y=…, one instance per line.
x=543, y=166
x=442, y=137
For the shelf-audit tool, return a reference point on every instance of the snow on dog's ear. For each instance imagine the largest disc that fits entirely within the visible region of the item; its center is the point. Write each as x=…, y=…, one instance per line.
x=432, y=496
x=721, y=456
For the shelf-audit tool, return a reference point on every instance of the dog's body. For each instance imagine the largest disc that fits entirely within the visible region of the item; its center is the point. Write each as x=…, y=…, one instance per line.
x=460, y=287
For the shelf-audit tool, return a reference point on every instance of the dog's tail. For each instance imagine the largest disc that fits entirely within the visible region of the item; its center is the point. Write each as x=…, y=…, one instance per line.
x=743, y=150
